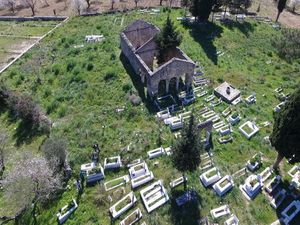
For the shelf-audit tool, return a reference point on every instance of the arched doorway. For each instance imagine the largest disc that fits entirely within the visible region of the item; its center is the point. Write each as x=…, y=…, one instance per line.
x=173, y=86
x=161, y=88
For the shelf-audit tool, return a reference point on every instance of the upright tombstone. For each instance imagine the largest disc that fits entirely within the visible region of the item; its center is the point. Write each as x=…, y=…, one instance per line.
x=207, y=126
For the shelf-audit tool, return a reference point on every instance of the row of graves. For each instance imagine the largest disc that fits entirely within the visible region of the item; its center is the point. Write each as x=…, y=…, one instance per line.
x=285, y=200
x=175, y=116
x=223, y=123
x=153, y=192
x=282, y=97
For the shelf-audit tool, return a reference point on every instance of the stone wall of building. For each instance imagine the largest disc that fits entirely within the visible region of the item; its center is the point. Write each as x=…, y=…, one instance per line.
x=138, y=45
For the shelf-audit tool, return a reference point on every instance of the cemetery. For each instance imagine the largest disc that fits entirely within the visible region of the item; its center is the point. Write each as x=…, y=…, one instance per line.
x=66, y=211
x=81, y=88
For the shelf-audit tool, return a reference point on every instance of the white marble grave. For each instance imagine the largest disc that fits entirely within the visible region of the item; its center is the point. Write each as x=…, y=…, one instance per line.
x=116, y=210
x=233, y=220
x=112, y=162
x=248, y=129
x=252, y=186
x=210, y=177
x=224, y=185
x=154, y=196
x=220, y=211
x=156, y=153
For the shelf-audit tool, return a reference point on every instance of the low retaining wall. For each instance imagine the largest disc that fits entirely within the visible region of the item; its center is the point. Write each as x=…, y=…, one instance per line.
x=35, y=18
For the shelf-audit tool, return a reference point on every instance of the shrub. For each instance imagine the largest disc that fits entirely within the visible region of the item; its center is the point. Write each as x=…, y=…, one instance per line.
x=126, y=87
x=62, y=111
x=90, y=67
x=56, y=69
x=288, y=45
x=24, y=107
x=70, y=65
x=110, y=75
x=52, y=106
x=135, y=100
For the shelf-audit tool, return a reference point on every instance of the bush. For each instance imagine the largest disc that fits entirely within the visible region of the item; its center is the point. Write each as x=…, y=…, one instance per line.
x=56, y=69
x=288, y=45
x=70, y=65
x=126, y=87
x=135, y=100
x=110, y=75
x=25, y=108
x=90, y=67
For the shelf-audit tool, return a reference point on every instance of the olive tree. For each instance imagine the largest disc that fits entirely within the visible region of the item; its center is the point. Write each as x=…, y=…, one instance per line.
x=10, y=4
x=29, y=181
x=31, y=4
x=55, y=151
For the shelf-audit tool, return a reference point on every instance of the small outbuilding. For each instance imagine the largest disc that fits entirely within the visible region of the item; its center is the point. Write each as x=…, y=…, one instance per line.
x=227, y=92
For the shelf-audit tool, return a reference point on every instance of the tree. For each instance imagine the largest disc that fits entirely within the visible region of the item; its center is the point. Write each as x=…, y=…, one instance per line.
x=31, y=4
x=11, y=4
x=55, y=151
x=201, y=9
x=88, y=2
x=136, y=3
x=286, y=130
x=170, y=2
x=112, y=2
x=29, y=182
x=186, y=150
x=77, y=6
x=293, y=4
x=167, y=39
x=280, y=7
x=160, y=2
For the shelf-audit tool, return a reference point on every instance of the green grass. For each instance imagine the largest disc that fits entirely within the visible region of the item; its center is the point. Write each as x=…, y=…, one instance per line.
x=82, y=104
x=31, y=28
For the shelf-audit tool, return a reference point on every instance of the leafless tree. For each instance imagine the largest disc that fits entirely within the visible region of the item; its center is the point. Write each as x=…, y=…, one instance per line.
x=3, y=141
x=136, y=3
x=45, y=2
x=11, y=4
x=170, y=2
x=88, y=2
x=31, y=4
x=112, y=4
x=29, y=181
x=77, y=6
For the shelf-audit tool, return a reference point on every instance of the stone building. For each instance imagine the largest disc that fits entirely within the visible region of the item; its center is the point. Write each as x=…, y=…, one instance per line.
x=138, y=45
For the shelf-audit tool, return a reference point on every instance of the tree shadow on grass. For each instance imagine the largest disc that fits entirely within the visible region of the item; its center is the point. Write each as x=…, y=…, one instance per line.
x=290, y=197
x=204, y=34
x=187, y=214
x=137, y=83
x=25, y=132
x=245, y=27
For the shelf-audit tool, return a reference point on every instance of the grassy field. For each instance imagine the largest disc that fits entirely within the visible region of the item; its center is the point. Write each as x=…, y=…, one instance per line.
x=30, y=28
x=80, y=89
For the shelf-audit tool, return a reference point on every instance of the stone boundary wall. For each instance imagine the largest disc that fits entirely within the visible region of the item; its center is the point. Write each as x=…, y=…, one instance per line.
x=35, y=18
